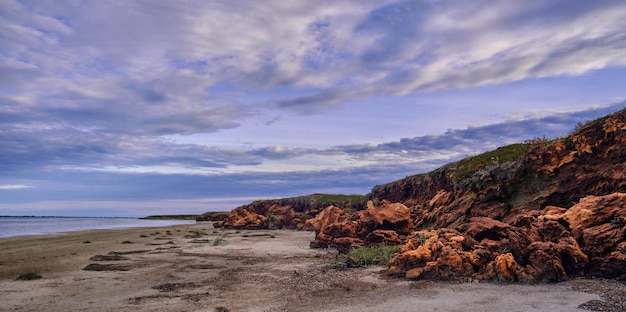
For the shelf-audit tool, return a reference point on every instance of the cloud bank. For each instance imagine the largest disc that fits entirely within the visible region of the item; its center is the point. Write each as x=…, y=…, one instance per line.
x=143, y=100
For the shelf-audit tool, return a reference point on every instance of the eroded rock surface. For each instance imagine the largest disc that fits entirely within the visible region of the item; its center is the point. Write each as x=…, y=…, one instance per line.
x=389, y=223
x=543, y=211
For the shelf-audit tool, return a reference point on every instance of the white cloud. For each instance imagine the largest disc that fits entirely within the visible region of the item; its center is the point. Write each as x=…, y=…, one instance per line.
x=14, y=187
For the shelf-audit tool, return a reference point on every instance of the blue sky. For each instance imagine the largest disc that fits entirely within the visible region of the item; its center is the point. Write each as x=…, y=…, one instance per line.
x=131, y=108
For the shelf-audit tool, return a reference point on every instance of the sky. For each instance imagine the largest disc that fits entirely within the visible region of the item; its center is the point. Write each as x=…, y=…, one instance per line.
x=135, y=108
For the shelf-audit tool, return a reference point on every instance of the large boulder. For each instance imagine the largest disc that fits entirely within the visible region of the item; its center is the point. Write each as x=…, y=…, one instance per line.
x=387, y=224
x=599, y=224
x=244, y=219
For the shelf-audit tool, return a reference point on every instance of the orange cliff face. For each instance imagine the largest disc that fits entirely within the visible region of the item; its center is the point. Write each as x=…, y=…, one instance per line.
x=554, y=211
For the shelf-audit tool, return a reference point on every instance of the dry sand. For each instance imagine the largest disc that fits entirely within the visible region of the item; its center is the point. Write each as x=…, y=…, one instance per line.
x=181, y=268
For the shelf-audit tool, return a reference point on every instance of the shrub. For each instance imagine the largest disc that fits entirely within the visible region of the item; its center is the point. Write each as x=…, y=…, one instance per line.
x=366, y=256
x=28, y=276
x=219, y=241
x=270, y=235
x=271, y=221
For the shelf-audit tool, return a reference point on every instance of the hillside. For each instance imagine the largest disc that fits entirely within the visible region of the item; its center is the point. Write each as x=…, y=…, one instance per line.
x=541, y=211
x=290, y=213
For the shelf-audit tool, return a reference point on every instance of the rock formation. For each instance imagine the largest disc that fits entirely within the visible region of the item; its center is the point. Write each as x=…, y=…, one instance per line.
x=388, y=224
x=212, y=216
x=555, y=212
x=287, y=213
x=543, y=211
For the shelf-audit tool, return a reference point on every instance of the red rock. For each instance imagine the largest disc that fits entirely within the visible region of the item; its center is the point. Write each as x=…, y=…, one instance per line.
x=506, y=269
x=338, y=230
x=516, y=211
x=387, y=224
x=383, y=237
x=481, y=227
x=613, y=265
x=327, y=216
x=595, y=210
x=434, y=254
x=556, y=211
x=242, y=218
x=389, y=216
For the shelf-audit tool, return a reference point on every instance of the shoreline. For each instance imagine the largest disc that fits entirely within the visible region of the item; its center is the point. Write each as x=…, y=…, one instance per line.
x=35, y=226
x=195, y=267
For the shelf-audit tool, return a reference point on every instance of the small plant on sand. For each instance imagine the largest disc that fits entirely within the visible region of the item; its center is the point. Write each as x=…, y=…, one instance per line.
x=87, y=242
x=28, y=276
x=366, y=256
x=218, y=241
x=198, y=233
x=143, y=235
x=270, y=235
x=127, y=242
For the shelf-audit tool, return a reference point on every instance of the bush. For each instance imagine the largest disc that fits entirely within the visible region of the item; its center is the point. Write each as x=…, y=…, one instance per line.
x=29, y=276
x=219, y=242
x=366, y=256
x=271, y=222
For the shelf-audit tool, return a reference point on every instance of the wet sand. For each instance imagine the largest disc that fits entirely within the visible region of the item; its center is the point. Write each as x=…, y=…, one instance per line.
x=198, y=268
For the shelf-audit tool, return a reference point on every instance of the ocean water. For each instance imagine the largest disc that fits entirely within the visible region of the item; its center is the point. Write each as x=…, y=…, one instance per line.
x=20, y=226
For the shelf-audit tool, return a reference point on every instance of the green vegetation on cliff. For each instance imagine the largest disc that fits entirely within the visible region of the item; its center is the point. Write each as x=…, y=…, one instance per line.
x=318, y=201
x=502, y=154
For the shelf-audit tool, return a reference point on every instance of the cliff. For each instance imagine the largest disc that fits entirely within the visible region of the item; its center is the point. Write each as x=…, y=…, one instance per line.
x=542, y=211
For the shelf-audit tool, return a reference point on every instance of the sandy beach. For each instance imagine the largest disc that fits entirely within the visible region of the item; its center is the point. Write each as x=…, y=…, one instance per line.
x=199, y=268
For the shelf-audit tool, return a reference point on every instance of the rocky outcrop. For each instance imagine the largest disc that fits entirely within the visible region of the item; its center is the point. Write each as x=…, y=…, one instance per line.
x=586, y=239
x=543, y=211
x=212, y=216
x=288, y=213
x=516, y=220
x=389, y=223
x=538, y=212
x=599, y=224
x=244, y=219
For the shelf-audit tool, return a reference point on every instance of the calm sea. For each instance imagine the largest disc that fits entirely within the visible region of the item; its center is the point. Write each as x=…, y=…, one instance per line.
x=19, y=226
